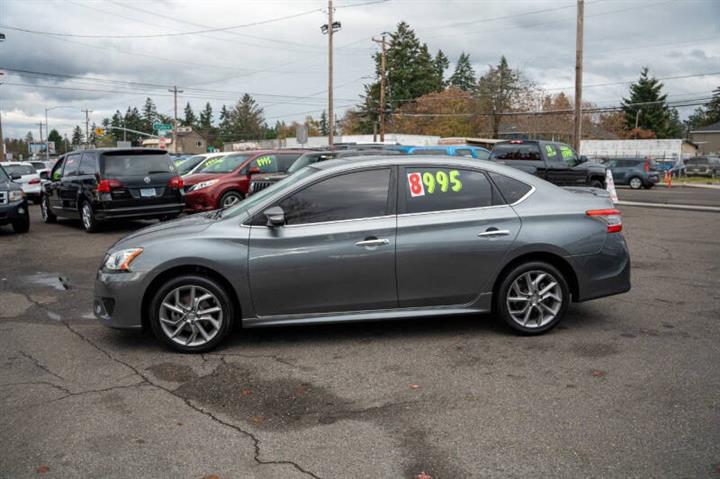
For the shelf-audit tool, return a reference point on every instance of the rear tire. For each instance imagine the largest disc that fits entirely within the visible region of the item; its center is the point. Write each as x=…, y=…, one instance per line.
x=597, y=184
x=87, y=218
x=47, y=215
x=21, y=225
x=532, y=297
x=229, y=199
x=177, y=321
x=635, y=183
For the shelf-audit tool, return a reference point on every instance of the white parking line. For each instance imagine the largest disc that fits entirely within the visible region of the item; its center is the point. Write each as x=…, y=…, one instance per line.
x=671, y=206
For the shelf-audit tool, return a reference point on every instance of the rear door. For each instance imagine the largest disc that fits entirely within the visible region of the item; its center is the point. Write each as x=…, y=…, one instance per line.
x=144, y=177
x=52, y=186
x=336, y=252
x=453, y=232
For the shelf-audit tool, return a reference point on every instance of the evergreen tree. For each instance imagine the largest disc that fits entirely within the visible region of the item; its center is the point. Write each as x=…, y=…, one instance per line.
x=190, y=119
x=713, y=107
x=497, y=91
x=323, y=124
x=149, y=115
x=206, y=117
x=246, y=119
x=77, y=135
x=225, y=124
x=118, y=122
x=133, y=121
x=29, y=138
x=55, y=138
x=441, y=63
x=464, y=75
x=647, y=107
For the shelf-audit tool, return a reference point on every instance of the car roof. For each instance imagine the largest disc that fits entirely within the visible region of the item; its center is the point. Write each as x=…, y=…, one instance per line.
x=16, y=163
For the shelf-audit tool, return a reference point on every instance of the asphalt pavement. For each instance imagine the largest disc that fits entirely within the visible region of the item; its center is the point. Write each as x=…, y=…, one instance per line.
x=677, y=195
x=625, y=387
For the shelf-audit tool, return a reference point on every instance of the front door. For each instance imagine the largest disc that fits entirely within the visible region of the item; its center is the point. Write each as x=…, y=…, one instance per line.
x=68, y=189
x=561, y=165
x=336, y=252
x=453, y=232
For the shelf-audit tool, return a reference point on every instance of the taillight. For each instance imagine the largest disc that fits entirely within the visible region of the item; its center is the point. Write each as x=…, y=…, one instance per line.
x=176, y=182
x=611, y=217
x=34, y=181
x=104, y=186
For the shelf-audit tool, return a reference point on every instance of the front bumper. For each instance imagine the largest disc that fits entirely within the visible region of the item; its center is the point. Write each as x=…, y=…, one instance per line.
x=604, y=273
x=10, y=212
x=201, y=200
x=118, y=299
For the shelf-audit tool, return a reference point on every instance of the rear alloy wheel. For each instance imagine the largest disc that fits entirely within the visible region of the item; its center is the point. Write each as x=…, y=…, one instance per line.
x=22, y=225
x=191, y=314
x=47, y=215
x=533, y=297
x=87, y=215
x=230, y=198
x=635, y=183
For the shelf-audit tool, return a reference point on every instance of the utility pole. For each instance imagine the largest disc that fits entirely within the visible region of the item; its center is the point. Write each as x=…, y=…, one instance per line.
x=47, y=137
x=578, y=73
x=41, y=135
x=174, y=90
x=328, y=29
x=382, y=87
x=87, y=127
x=2, y=139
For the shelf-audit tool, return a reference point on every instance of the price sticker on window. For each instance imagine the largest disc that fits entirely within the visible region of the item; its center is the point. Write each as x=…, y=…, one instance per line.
x=416, y=186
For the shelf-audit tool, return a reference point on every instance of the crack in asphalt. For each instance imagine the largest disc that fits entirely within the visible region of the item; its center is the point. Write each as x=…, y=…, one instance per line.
x=40, y=365
x=147, y=380
x=274, y=357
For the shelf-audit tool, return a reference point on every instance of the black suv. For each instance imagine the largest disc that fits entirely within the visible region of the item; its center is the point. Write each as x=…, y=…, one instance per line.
x=109, y=183
x=552, y=161
x=13, y=205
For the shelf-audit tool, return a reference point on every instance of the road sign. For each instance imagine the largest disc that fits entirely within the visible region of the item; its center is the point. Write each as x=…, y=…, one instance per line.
x=161, y=126
x=99, y=131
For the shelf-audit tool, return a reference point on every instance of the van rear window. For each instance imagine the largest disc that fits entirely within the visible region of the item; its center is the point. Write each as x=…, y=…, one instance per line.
x=137, y=165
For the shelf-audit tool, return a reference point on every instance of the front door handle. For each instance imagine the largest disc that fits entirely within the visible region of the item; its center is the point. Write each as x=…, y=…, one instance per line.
x=372, y=242
x=491, y=233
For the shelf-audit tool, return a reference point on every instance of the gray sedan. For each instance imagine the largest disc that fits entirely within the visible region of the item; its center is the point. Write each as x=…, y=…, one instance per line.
x=367, y=239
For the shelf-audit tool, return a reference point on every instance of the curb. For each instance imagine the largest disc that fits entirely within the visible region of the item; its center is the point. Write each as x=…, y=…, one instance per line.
x=713, y=209
x=690, y=185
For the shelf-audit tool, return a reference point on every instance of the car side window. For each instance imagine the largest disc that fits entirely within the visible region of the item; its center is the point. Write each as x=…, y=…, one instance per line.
x=285, y=161
x=429, y=189
x=87, y=164
x=463, y=152
x=511, y=189
x=361, y=194
x=567, y=155
x=56, y=172
x=429, y=152
x=266, y=164
x=71, y=165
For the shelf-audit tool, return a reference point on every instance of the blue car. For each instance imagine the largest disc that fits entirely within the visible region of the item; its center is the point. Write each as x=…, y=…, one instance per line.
x=449, y=150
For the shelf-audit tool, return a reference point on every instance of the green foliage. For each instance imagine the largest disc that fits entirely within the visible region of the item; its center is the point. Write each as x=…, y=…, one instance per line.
x=498, y=91
x=55, y=138
x=77, y=135
x=706, y=114
x=206, y=117
x=464, y=75
x=189, y=119
x=647, y=107
x=323, y=124
x=149, y=115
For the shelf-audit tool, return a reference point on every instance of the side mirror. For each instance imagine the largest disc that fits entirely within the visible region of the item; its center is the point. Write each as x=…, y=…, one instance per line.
x=44, y=175
x=275, y=216
x=15, y=176
x=582, y=159
x=254, y=171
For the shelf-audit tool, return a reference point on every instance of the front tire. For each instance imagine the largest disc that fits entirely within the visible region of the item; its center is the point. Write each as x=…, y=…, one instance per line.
x=533, y=297
x=229, y=199
x=21, y=225
x=87, y=217
x=635, y=183
x=597, y=184
x=45, y=211
x=191, y=313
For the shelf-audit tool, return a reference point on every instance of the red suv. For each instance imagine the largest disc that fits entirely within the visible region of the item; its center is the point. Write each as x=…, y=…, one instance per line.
x=224, y=180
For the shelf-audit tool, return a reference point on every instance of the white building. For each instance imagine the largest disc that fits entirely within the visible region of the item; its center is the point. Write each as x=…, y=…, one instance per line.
x=321, y=141
x=669, y=150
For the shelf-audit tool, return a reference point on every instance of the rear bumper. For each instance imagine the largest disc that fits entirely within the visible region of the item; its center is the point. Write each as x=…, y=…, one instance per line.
x=604, y=273
x=148, y=211
x=13, y=211
x=118, y=299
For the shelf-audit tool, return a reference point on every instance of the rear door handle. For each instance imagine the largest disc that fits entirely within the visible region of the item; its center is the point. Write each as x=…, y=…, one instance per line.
x=372, y=242
x=494, y=232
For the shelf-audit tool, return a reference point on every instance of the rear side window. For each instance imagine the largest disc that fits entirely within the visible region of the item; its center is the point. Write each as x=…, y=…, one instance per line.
x=87, y=164
x=20, y=170
x=72, y=165
x=441, y=189
x=512, y=151
x=363, y=194
x=511, y=189
x=429, y=152
x=136, y=165
x=286, y=160
x=463, y=152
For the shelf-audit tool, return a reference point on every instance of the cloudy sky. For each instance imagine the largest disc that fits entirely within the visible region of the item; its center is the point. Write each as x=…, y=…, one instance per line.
x=114, y=53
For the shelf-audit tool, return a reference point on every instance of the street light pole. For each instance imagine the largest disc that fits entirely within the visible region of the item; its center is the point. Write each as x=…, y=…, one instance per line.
x=578, y=73
x=328, y=29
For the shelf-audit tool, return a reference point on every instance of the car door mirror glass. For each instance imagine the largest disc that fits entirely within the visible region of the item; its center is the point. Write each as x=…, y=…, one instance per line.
x=275, y=216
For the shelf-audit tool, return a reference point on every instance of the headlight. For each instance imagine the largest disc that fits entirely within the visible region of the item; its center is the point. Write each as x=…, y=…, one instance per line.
x=120, y=260
x=15, y=196
x=203, y=184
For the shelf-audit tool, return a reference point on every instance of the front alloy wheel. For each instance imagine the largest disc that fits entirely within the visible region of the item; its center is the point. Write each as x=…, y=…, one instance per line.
x=47, y=215
x=230, y=198
x=192, y=314
x=87, y=215
x=635, y=183
x=533, y=297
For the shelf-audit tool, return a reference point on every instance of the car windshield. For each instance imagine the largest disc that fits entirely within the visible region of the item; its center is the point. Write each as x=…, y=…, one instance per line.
x=185, y=166
x=3, y=176
x=250, y=201
x=308, y=159
x=223, y=164
x=38, y=165
x=137, y=165
x=19, y=170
